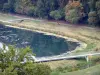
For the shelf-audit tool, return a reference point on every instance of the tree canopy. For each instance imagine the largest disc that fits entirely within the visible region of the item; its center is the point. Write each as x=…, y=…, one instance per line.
x=14, y=61
x=46, y=9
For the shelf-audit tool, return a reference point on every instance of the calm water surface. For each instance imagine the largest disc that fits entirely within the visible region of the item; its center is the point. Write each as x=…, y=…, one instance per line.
x=41, y=45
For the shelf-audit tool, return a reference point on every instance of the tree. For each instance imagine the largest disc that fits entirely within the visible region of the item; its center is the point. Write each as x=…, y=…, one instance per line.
x=9, y=7
x=73, y=17
x=74, y=11
x=57, y=14
x=13, y=57
x=98, y=9
x=1, y=4
x=93, y=18
x=44, y=7
x=92, y=5
x=12, y=62
x=62, y=3
x=21, y=6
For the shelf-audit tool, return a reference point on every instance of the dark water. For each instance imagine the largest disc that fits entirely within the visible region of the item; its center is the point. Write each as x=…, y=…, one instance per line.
x=42, y=45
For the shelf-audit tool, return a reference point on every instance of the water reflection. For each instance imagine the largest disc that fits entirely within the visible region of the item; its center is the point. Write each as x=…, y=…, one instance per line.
x=42, y=45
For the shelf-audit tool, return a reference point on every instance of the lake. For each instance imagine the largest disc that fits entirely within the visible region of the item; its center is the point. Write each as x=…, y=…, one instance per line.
x=42, y=45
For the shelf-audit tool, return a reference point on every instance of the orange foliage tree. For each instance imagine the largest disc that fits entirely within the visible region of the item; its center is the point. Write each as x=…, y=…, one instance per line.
x=74, y=11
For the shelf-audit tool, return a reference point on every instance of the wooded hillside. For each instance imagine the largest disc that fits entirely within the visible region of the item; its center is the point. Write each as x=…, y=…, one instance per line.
x=73, y=11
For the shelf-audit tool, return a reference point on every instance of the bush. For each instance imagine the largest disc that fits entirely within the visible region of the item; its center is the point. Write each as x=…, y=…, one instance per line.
x=73, y=17
x=30, y=11
x=92, y=14
x=55, y=72
x=82, y=65
x=6, y=73
x=93, y=18
x=71, y=68
x=6, y=7
x=57, y=14
x=98, y=5
x=98, y=9
x=18, y=9
x=40, y=69
x=9, y=6
x=60, y=69
x=98, y=13
x=74, y=12
x=11, y=62
x=1, y=6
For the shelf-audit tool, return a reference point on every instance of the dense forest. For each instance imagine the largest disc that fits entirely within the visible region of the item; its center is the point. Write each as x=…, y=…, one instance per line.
x=73, y=11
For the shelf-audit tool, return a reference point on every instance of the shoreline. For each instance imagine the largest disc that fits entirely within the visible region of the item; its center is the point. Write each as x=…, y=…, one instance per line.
x=62, y=56
x=81, y=46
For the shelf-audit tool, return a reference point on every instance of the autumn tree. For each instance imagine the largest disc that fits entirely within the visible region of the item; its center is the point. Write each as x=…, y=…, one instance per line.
x=74, y=11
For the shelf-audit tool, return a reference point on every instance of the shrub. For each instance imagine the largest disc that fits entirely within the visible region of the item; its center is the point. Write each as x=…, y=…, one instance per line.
x=9, y=6
x=6, y=73
x=98, y=14
x=98, y=5
x=98, y=9
x=40, y=69
x=71, y=68
x=60, y=69
x=18, y=9
x=92, y=14
x=74, y=12
x=81, y=65
x=57, y=14
x=30, y=11
x=1, y=6
x=6, y=7
x=55, y=72
x=11, y=62
x=73, y=17
x=93, y=18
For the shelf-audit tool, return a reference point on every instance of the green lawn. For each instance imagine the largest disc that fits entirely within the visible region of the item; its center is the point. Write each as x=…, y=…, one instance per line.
x=95, y=70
